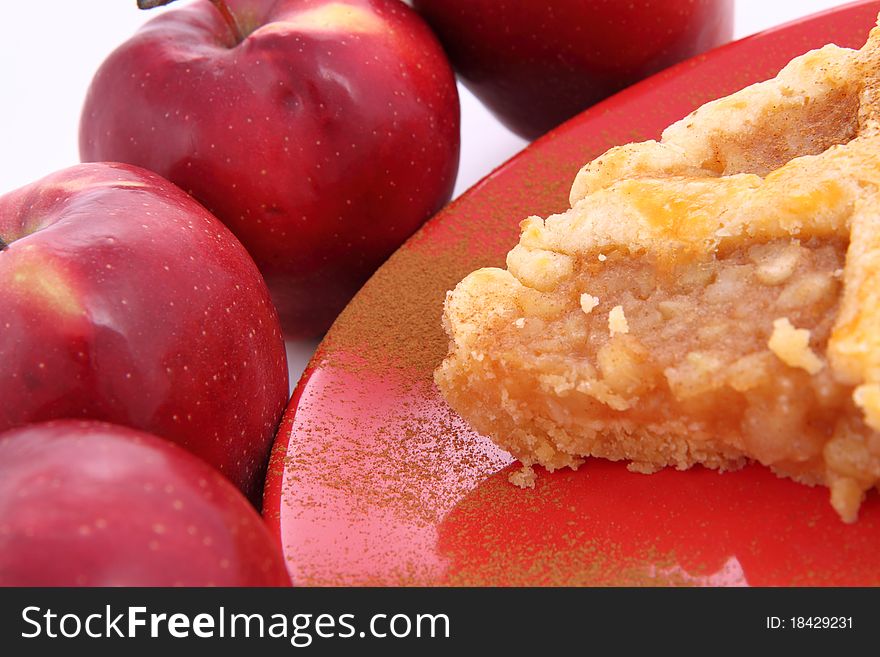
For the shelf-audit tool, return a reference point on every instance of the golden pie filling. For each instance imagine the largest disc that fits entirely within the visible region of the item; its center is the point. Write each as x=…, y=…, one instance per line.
x=712, y=298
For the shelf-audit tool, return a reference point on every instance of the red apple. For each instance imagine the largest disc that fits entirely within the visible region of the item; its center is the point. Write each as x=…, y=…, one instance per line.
x=124, y=300
x=322, y=132
x=535, y=64
x=93, y=504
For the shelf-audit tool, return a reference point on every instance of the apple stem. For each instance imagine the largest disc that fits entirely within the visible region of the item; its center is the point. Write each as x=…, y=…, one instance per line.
x=150, y=4
x=230, y=19
x=221, y=6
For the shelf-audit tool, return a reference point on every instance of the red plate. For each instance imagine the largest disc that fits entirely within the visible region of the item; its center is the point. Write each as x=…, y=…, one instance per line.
x=376, y=481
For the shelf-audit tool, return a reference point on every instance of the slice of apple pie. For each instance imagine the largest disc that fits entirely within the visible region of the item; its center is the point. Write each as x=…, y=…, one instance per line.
x=712, y=298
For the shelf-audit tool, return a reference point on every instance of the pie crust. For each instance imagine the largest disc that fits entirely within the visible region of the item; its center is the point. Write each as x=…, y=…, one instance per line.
x=712, y=298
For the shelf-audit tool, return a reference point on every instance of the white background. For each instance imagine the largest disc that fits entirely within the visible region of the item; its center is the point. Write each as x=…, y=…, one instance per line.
x=51, y=48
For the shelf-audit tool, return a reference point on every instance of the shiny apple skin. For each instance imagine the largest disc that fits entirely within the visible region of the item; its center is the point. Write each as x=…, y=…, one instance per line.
x=536, y=64
x=91, y=504
x=124, y=300
x=322, y=145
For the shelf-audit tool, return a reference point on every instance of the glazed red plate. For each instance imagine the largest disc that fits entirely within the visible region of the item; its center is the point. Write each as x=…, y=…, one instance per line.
x=376, y=481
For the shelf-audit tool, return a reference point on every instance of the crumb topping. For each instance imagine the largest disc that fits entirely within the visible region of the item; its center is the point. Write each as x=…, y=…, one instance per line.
x=792, y=346
x=524, y=477
x=588, y=302
x=617, y=321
